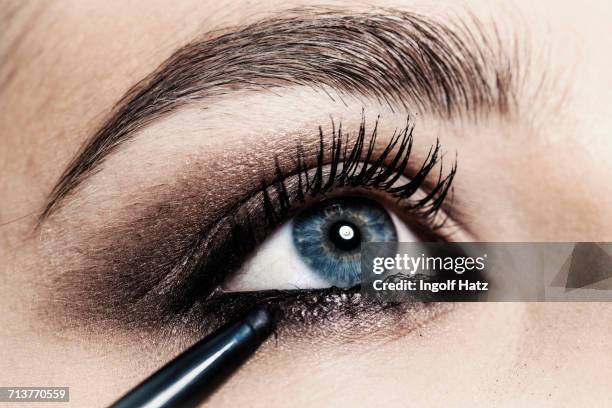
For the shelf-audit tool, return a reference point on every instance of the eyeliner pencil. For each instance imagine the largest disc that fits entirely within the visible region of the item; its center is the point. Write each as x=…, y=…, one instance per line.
x=195, y=374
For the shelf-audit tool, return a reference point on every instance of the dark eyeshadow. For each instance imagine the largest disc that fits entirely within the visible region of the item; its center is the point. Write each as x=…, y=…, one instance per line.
x=162, y=267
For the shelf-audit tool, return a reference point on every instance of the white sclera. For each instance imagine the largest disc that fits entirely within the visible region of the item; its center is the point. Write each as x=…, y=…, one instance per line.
x=276, y=264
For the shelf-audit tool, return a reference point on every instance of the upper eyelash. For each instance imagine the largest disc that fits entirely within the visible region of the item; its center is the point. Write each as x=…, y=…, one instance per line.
x=345, y=170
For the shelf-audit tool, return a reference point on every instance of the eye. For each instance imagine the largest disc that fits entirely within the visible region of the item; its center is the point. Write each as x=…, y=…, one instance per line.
x=320, y=247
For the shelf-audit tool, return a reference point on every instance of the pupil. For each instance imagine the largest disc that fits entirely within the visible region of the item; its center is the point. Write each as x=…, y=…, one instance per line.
x=345, y=235
x=328, y=237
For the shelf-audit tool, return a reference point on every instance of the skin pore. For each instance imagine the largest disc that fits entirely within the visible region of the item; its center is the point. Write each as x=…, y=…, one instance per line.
x=538, y=175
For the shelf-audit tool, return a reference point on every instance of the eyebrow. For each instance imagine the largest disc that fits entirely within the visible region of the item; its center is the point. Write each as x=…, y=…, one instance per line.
x=396, y=58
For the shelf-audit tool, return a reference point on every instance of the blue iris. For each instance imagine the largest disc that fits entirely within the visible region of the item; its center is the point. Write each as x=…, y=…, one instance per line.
x=328, y=237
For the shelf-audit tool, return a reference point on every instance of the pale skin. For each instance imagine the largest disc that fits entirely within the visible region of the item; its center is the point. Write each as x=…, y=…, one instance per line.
x=546, y=179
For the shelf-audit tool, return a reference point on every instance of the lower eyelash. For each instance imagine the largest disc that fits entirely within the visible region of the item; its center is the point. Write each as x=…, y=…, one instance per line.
x=304, y=310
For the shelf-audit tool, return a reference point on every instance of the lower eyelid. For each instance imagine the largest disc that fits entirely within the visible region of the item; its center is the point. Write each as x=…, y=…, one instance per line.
x=306, y=312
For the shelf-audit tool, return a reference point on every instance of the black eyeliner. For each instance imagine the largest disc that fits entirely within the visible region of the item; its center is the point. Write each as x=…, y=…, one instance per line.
x=195, y=374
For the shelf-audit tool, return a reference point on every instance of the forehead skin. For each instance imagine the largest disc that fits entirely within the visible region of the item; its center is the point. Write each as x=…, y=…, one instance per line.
x=64, y=64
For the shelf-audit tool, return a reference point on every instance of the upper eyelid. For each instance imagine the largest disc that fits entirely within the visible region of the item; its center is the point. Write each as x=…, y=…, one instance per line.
x=250, y=219
x=442, y=69
x=357, y=155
